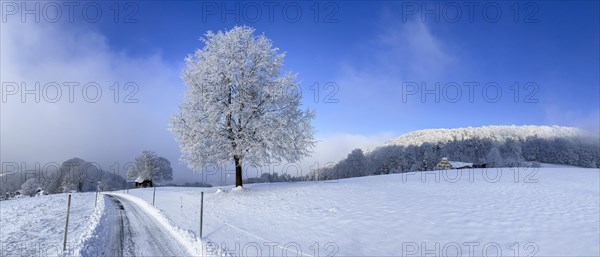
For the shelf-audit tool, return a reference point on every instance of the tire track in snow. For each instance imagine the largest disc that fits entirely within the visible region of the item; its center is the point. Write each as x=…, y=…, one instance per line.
x=139, y=234
x=123, y=245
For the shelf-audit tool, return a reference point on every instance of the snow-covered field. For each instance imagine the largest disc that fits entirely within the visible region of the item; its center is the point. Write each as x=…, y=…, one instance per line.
x=552, y=211
x=545, y=212
x=35, y=226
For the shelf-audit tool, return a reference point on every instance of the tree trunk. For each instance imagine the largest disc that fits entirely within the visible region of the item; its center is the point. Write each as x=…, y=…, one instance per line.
x=238, y=171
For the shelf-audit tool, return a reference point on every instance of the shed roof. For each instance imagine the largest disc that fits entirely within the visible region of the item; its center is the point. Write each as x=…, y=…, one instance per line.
x=457, y=165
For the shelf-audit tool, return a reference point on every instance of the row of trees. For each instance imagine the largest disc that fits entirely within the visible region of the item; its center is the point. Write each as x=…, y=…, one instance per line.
x=273, y=177
x=73, y=175
x=79, y=175
x=575, y=151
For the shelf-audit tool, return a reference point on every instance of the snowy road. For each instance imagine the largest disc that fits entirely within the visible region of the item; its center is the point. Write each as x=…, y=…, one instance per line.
x=136, y=233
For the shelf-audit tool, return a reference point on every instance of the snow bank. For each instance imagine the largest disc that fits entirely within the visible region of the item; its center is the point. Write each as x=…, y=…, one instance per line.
x=93, y=239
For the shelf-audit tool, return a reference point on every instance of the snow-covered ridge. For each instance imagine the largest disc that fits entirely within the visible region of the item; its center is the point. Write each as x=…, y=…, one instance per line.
x=496, y=133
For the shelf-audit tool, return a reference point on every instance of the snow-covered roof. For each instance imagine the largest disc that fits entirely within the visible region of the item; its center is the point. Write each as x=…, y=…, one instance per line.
x=458, y=165
x=139, y=179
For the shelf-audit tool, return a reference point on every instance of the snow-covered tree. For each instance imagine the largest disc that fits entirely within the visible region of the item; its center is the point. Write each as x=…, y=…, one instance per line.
x=493, y=158
x=511, y=153
x=149, y=166
x=353, y=165
x=75, y=174
x=30, y=187
x=239, y=106
x=165, y=171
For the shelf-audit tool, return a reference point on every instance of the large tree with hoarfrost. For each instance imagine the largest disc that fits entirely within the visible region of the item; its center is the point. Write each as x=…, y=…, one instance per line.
x=150, y=166
x=239, y=106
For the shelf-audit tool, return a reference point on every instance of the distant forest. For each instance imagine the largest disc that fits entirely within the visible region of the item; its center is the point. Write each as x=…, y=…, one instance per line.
x=574, y=151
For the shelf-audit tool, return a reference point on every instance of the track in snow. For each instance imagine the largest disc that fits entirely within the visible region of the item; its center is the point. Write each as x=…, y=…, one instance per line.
x=135, y=233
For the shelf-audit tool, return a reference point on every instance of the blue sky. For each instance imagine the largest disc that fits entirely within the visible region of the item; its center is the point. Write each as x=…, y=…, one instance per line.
x=558, y=52
x=375, y=52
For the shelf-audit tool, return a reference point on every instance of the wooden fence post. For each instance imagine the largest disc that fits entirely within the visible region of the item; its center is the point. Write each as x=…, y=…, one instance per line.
x=67, y=223
x=201, y=211
x=153, y=195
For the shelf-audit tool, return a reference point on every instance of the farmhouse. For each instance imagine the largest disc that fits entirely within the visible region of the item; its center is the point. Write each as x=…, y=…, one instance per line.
x=141, y=182
x=445, y=164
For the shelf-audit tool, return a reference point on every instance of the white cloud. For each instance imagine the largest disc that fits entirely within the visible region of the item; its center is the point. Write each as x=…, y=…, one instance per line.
x=103, y=132
x=412, y=49
x=335, y=147
x=373, y=75
x=401, y=50
x=588, y=121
